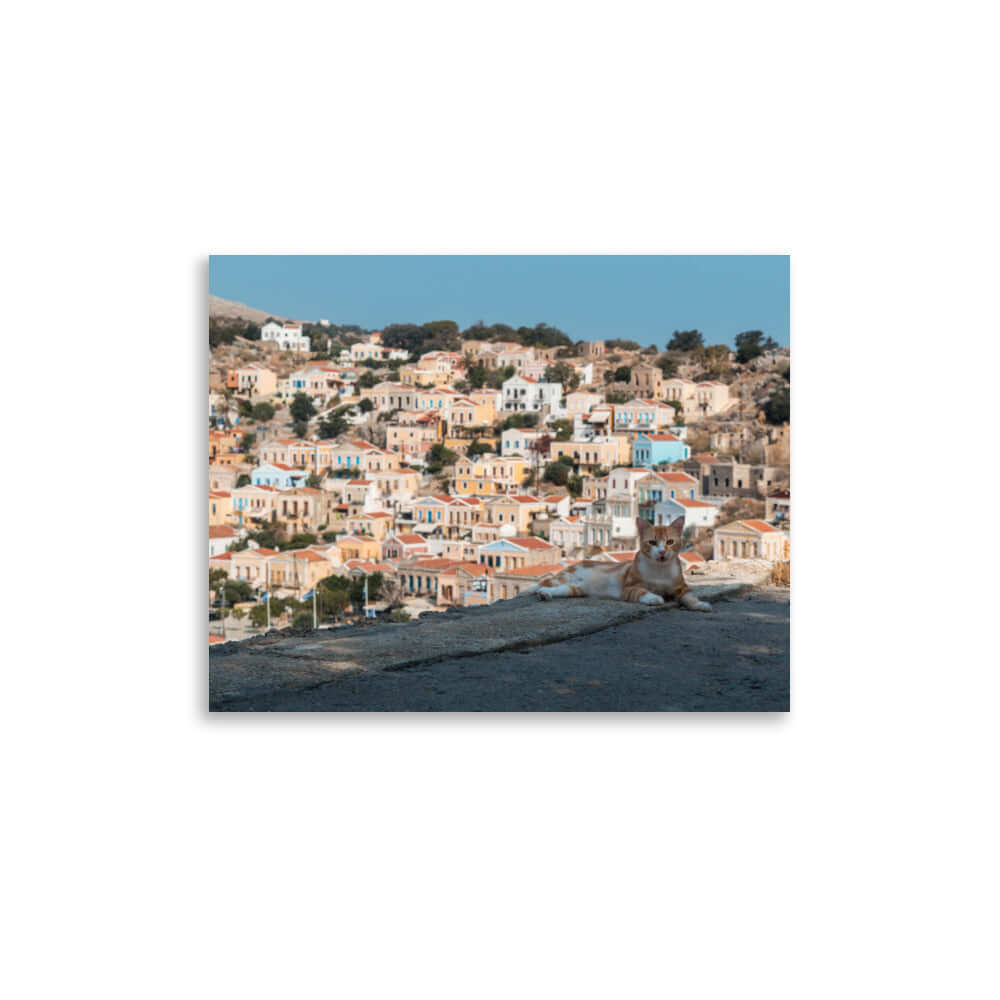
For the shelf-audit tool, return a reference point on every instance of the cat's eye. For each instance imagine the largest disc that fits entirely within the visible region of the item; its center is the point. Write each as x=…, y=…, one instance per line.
x=670, y=541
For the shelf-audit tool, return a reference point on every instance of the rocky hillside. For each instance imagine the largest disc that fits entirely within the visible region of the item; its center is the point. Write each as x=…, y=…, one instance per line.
x=225, y=309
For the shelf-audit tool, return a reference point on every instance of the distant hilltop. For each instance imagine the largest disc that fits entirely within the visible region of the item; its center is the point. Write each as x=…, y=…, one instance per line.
x=226, y=309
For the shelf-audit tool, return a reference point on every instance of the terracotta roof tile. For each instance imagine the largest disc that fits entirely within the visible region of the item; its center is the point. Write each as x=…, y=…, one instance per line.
x=527, y=542
x=759, y=526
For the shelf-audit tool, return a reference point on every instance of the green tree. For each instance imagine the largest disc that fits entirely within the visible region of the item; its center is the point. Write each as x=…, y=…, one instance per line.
x=313, y=481
x=262, y=412
x=685, y=340
x=366, y=406
x=519, y=420
x=561, y=372
x=477, y=447
x=333, y=424
x=563, y=429
x=215, y=578
x=558, y=473
x=438, y=456
x=715, y=359
x=332, y=602
x=302, y=619
x=242, y=480
x=301, y=540
x=751, y=344
x=777, y=410
x=623, y=374
x=302, y=408
x=667, y=365
x=301, y=428
x=618, y=396
x=575, y=484
x=258, y=615
x=236, y=591
x=622, y=345
x=245, y=408
x=367, y=381
x=400, y=615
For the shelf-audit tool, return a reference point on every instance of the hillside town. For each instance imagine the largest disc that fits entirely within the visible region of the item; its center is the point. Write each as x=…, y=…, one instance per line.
x=353, y=474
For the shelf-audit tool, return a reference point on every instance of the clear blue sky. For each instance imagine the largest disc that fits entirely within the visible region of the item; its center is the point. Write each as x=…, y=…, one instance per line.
x=642, y=298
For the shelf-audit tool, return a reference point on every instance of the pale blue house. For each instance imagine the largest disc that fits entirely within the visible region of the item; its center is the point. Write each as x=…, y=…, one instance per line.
x=283, y=477
x=652, y=449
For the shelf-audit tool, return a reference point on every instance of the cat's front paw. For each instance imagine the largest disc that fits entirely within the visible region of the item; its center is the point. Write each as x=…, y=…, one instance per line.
x=544, y=594
x=701, y=606
x=651, y=599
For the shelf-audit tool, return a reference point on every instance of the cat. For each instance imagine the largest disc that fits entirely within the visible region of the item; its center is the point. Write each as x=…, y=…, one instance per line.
x=654, y=576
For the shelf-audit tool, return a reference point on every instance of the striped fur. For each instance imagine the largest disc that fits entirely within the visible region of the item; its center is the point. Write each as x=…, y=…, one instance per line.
x=654, y=576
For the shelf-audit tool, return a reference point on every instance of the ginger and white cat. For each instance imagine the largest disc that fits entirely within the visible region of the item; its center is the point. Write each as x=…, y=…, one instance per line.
x=654, y=576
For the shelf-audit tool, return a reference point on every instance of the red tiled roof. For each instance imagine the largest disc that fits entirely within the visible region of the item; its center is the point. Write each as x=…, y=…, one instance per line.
x=225, y=493
x=759, y=526
x=663, y=437
x=307, y=554
x=685, y=502
x=693, y=557
x=410, y=538
x=221, y=531
x=526, y=542
x=212, y=639
x=221, y=555
x=358, y=482
x=473, y=569
x=675, y=477
x=437, y=563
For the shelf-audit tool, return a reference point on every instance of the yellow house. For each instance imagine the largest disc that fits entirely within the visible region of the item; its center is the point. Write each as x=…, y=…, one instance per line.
x=297, y=570
x=601, y=453
x=460, y=515
x=377, y=525
x=388, y=396
x=411, y=440
x=302, y=509
x=750, y=540
x=468, y=412
x=414, y=375
x=254, y=379
x=516, y=509
x=489, y=475
x=251, y=565
x=220, y=507
x=395, y=482
x=358, y=547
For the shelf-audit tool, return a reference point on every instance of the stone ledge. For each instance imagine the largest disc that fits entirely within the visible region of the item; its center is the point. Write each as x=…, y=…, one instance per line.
x=287, y=663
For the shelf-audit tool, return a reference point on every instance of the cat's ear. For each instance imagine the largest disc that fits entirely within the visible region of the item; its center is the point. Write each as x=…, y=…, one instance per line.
x=677, y=527
x=642, y=526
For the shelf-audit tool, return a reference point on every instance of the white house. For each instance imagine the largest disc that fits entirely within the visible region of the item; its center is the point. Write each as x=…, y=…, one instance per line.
x=220, y=537
x=518, y=441
x=288, y=336
x=522, y=394
x=567, y=533
x=696, y=513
